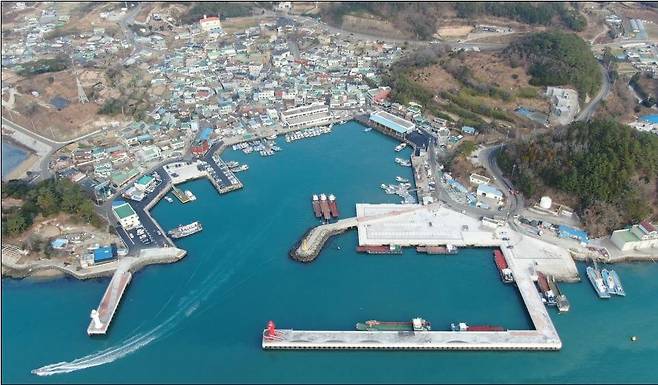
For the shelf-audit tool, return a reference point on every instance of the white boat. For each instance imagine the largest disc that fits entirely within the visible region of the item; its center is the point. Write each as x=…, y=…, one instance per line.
x=367, y=129
x=168, y=199
x=400, y=147
x=401, y=179
x=190, y=195
x=272, y=137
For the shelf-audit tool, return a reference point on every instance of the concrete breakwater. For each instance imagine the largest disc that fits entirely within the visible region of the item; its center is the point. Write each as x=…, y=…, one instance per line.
x=314, y=239
x=147, y=257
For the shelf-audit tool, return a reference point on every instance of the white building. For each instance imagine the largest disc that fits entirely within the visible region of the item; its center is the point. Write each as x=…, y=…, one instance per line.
x=315, y=114
x=642, y=236
x=210, y=23
x=125, y=214
x=489, y=191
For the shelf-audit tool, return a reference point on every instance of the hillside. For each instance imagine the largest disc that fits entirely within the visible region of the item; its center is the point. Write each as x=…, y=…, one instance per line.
x=478, y=89
x=557, y=59
x=610, y=170
x=422, y=20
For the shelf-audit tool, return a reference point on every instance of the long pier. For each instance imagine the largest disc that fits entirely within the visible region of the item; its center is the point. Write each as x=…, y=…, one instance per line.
x=102, y=316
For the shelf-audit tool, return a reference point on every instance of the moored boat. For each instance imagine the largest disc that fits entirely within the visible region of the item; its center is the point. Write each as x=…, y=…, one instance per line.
x=185, y=230
x=416, y=325
x=316, y=206
x=380, y=249
x=597, y=282
x=620, y=288
x=333, y=206
x=463, y=327
x=503, y=269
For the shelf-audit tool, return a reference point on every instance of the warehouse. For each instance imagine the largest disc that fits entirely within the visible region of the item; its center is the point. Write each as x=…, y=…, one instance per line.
x=641, y=236
x=312, y=115
x=391, y=124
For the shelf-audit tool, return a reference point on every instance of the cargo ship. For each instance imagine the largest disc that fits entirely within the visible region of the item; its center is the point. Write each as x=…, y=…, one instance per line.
x=324, y=207
x=447, y=249
x=503, y=269
x=333, y=206
x=562, y=301
x=620, y=288
x=316, y=206
x=416, y=325
x=400, y=147
x=545, y=289
x=185, y=230
x=463, y=327
x=597, y=282
x=383, y=249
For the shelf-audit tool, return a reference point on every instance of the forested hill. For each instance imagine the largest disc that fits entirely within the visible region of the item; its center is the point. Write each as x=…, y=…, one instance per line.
x=422, y=19
x=557, y=59
x=611, y=168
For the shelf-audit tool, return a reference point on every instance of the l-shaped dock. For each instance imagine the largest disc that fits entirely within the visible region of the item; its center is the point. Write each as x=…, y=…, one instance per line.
x=415, y=225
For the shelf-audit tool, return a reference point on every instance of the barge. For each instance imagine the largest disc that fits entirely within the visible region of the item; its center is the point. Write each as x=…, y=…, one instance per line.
x=316, y=206
x=464, y=327
x=333, y=206
x=415, y=325
x=447, y=249
x=503, y=269
x=324, y=207
x=382, y=249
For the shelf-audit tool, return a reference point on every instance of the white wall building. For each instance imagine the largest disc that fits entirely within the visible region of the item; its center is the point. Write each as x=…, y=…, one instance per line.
x=315, y=114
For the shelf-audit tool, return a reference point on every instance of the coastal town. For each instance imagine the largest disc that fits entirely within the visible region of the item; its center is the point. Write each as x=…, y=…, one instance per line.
x=144, y=103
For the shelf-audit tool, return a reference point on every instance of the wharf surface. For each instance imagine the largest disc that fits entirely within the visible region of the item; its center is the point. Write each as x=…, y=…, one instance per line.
x=543, y=337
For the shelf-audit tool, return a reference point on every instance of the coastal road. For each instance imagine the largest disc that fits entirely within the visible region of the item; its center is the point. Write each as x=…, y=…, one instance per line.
x=588, y=111
x=52, y=145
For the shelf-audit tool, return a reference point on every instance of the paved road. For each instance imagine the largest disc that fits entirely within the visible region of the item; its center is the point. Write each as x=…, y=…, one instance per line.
x=54, y=145
x=587, y=112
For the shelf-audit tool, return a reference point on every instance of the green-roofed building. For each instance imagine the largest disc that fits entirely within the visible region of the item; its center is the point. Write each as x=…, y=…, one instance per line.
x=125, y=214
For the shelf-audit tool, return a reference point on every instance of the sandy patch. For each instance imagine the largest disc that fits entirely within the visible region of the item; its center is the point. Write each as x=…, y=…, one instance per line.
x=455, y=31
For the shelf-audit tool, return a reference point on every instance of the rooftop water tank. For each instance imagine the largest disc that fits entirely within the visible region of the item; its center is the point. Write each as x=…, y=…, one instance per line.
x=545, y=202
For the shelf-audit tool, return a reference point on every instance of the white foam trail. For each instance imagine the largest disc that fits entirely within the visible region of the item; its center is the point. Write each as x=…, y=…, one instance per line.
x=137, y=342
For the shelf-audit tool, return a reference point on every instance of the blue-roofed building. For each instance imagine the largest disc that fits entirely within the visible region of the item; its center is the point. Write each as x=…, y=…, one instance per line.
x=570, y=232
x=468, y=130
x=489, y=191
x=104, y=254
x=59, y=243
x=457, y=186
x=205, y=134
x=391, y=124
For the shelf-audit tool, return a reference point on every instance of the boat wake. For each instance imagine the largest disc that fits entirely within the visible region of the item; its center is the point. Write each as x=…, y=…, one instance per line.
x=186, y=306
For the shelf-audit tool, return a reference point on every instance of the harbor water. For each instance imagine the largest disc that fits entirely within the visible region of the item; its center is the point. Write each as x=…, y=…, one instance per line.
x=12, y=156
x=200, y=320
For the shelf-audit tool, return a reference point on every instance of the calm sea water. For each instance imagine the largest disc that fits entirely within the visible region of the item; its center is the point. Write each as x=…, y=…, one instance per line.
x=200, y=320
x=12, y=156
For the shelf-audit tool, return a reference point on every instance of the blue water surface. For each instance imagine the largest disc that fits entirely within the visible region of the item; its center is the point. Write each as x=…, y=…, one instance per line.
x=200, y=320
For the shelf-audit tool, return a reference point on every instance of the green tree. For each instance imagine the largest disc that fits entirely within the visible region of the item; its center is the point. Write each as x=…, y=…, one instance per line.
x=16, y=223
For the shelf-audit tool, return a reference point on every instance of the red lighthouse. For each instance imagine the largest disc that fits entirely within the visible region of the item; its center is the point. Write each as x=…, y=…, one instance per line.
x=270, y=332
